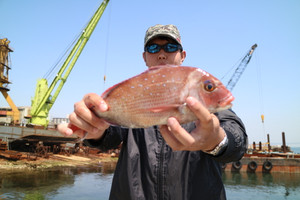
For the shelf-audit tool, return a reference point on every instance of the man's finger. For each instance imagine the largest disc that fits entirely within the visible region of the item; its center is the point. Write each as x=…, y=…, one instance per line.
x=68, y=129
x=82, y=124
x=95, y=102
x=64, y=129
x=82, y=114
x=180, y=133
x=169, y=138
x=199, y=110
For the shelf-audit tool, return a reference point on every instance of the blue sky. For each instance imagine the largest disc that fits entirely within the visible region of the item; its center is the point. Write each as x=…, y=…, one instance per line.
x=215, y=34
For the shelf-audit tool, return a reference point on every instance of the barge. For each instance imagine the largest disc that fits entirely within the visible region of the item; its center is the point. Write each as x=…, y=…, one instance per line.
x=266, y=160
x=266, y=163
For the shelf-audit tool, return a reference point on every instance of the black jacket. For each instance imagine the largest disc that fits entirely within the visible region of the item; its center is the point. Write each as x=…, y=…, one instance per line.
x=148, y=168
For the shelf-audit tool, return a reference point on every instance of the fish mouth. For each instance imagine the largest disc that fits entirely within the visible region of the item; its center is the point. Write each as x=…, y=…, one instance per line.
x=226, y=101
x=223, y=104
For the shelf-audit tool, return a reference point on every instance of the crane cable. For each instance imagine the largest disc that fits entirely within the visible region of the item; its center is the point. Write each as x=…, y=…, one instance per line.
x=106, y=46
x=234, y=66
x=51, y=71
x=259, y=82
x=260, y=93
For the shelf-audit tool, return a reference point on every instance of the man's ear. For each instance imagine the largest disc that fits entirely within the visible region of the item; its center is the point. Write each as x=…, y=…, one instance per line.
x=144, y=56
x=183, y=56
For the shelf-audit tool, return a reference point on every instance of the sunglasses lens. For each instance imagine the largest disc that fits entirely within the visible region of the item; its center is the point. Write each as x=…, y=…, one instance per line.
x=153, y=48
x=171, y=47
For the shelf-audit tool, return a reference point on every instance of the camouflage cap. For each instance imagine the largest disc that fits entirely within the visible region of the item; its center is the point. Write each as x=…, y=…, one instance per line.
x=170, y=31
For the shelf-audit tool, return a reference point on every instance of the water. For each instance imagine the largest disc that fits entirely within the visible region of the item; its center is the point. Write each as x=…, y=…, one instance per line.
x=274, y=186
x=296, y=149
x=65, y=183
x=94, y=183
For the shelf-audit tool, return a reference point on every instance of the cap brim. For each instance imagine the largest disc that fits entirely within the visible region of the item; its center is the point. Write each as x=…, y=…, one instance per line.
x=161, y=35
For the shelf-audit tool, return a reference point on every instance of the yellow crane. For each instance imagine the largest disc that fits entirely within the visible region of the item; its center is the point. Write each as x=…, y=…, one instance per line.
x=4, y=81
x=45, y=96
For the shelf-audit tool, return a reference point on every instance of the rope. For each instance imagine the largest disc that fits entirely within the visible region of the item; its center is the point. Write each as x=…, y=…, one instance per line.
x=260, y=90
x=106, y=47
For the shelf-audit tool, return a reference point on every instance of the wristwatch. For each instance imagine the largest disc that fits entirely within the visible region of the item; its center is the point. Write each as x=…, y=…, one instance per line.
x=219, y=149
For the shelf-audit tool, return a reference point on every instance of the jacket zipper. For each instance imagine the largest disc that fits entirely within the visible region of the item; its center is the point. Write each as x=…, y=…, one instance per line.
x=160, y=172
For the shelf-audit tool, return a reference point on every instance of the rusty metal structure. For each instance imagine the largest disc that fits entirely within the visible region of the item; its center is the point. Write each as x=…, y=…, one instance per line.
x=37, y=137
x=267, y=159
x=37, y=143
x=4, y=80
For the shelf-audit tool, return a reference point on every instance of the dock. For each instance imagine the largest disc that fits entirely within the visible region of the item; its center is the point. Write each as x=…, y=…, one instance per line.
x=11, y=133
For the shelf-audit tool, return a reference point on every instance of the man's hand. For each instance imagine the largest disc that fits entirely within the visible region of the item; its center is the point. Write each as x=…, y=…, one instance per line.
x=83, y=120
x=206, y=136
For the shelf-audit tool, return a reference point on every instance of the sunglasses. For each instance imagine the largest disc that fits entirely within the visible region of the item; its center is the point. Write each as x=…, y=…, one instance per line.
x=169, y=48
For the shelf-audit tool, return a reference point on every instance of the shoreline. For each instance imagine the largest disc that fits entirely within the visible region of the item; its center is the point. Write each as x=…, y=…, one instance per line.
x=56, y=160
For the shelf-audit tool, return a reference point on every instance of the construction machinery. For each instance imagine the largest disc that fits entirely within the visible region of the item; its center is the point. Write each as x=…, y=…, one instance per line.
x=4, y=81
x=240, y=69
x=45, y=96
x=238, y=73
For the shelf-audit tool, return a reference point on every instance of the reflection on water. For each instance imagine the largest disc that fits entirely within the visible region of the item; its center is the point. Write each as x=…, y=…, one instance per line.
x=265, y=186
x=63, y=183
x=93, y=183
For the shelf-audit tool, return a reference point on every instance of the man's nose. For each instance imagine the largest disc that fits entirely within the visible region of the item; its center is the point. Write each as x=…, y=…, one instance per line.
x=162, y=55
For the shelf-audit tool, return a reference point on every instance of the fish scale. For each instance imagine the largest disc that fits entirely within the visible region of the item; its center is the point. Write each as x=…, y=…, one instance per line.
x=143, y=104
x=153, y=96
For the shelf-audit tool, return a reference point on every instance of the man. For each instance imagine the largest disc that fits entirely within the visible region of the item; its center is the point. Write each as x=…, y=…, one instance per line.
x=172, y=161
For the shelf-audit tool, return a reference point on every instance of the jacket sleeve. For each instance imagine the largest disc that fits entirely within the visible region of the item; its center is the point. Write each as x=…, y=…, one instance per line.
x=112, y=138
x=236, y=134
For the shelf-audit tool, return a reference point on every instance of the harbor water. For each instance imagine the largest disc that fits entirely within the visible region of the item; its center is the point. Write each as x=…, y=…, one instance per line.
x=67, y=183
x=296, y=149
x=93, y=183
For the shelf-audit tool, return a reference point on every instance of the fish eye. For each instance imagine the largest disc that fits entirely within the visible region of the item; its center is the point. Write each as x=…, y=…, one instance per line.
x=209, y=86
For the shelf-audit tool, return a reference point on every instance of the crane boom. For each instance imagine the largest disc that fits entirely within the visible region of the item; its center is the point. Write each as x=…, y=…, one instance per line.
x=240, y=69
x=4, y=81
x=43, y=100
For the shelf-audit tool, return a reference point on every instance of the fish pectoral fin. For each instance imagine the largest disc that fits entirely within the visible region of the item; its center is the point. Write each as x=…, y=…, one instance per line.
x=165, y=108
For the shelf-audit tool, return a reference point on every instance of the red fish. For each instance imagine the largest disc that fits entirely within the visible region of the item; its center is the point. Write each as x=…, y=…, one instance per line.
x=159, y=93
